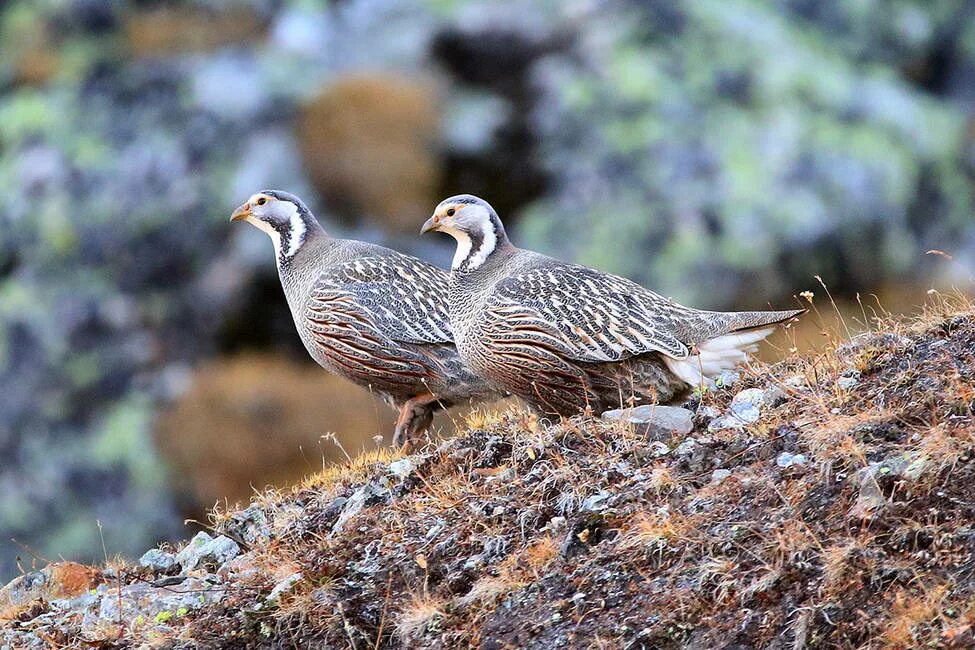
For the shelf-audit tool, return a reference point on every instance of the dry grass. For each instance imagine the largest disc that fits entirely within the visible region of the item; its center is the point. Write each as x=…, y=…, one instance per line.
x=419, y=615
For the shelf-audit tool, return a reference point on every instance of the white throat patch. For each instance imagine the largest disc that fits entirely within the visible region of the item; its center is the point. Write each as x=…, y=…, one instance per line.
x=463, y=248
x=474, y=216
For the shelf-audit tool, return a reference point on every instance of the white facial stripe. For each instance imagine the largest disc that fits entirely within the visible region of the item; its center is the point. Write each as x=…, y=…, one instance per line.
x=487, y=247
x=297, y=235
x=463, y=247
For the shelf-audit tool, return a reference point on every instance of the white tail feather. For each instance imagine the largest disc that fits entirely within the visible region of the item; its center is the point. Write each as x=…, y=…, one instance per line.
x=716, y=355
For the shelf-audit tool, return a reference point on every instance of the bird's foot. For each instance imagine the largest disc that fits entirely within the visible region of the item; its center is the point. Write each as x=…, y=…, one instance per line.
x=415, y=417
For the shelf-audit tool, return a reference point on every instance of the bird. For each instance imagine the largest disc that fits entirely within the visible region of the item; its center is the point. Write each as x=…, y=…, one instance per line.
x=367, y=313
x=567, y=338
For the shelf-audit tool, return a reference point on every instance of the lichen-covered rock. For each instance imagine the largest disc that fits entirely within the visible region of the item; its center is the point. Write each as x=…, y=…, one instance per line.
x=659, y=422
x=249, y=525
x=157, y=560
x=206, y=550
x=739, y=151
x=58, y=581
x=141, y=606
x=368, y=494
x=871, y=499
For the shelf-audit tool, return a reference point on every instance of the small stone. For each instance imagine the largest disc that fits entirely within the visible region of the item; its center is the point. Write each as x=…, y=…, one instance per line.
x=774, y=395
x=719, y=475
x=435, y=530
x=203, y=549
x=746, y=406
x=596, y=502
x=402, y=467
x=907, y=466
x=723, y=422
x=785, y=459
x=556, y=524
x=846, y=383
x=708, y=412
x=157, y=560
x=686, y=448
x=658, y=448
x=364, y=495
x=286, y=586
x=222, y=549
x=695, y=454
x=869, y=500
x=659, y=422
x=242, y=568
x=727, y=378
x=797, y=382
x=250, y=526
x=194, y=546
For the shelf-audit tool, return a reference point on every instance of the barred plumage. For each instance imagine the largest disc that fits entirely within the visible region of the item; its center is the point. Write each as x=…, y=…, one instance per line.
x=565, y=337
x=367, y=313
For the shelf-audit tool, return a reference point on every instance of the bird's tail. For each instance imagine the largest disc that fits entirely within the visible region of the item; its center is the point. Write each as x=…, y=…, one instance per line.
x=743, y=321
x=725, y=351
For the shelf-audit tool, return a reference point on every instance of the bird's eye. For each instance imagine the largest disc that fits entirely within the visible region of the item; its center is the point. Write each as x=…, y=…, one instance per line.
x=261, y=201
x=451, y=212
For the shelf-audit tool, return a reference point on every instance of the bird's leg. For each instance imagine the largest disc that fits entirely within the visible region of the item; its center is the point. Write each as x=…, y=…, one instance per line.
x=415, y=417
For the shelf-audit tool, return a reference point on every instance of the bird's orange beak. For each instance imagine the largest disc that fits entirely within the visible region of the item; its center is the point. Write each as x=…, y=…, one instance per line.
x=241, y=213
x=431, y=224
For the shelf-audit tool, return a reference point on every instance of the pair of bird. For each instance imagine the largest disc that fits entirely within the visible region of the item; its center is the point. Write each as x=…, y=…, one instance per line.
x=562, y=337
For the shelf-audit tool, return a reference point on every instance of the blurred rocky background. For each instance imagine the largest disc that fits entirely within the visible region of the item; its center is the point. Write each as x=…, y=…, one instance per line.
x=723, y=152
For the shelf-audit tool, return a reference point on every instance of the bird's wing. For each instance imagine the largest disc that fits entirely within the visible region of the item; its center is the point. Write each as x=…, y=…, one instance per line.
x=404, y=298
x=583, y=315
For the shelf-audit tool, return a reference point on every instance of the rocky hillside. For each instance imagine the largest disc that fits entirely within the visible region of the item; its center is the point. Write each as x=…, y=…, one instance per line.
x=820, y=502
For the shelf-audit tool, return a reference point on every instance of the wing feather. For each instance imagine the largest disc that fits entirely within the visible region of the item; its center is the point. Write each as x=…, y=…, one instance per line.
x=373, y=317
x=585, y=315
x=404, y=298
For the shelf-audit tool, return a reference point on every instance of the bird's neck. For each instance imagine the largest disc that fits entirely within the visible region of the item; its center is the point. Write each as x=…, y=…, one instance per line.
x=474, y=248
x=300, y=272
x=293, y=238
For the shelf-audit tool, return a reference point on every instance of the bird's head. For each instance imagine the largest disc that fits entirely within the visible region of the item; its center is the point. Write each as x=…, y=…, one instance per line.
x=474, y=224
x=283, y=216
